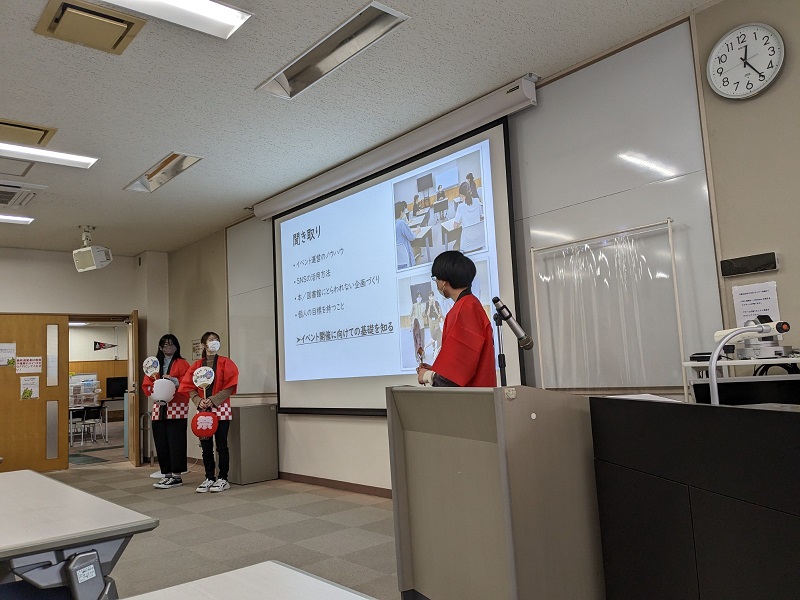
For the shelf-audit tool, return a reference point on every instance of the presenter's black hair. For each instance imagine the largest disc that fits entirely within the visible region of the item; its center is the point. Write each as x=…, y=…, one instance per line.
x=469, y=177
x=454, y=268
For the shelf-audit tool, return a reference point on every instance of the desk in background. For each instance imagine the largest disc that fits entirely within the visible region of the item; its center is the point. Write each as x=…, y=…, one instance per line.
x=272, y=579
x=424, y=240
x=53, y=535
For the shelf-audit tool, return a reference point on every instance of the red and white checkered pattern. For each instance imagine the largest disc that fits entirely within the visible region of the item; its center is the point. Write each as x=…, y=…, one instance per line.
x=175, y=410
x=223, y=411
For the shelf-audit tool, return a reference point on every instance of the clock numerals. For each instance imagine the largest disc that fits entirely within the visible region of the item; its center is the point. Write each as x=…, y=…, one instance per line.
x=739, y=66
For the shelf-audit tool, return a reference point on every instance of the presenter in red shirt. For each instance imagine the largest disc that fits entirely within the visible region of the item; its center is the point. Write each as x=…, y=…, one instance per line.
x=466, y=358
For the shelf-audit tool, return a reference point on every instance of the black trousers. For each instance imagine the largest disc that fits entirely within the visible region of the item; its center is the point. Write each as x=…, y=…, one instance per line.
x=170, y=438
x=207, y=444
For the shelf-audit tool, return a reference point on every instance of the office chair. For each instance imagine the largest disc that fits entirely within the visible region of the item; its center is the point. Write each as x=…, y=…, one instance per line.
x=473, y=237
x=92, y=417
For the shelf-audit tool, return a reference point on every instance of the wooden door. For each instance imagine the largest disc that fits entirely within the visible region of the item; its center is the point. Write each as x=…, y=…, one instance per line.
x=24, y=423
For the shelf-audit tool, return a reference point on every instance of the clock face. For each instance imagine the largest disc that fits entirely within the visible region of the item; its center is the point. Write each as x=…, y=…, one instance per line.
x=745, y=61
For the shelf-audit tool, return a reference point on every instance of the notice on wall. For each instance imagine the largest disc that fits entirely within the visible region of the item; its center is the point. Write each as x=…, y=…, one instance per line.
x=8, y=354
x=750, y=301
x=29, y=387
x=197, y=350
x=29, y=364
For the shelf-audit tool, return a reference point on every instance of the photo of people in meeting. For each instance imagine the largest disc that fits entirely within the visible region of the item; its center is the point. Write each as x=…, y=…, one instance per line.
x=440, y=208
x=422, y=312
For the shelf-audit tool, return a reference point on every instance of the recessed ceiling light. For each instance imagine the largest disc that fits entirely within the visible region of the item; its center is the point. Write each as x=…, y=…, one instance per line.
x=213, y=18
x=45, y=156
x=160, y=173
x=15, y=220
x=358, y=33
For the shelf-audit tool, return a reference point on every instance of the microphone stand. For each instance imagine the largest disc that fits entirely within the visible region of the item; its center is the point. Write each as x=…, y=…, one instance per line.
x=501, y=358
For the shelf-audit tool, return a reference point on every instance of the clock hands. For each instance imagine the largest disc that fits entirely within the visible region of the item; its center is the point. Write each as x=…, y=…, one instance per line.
x=747, y=64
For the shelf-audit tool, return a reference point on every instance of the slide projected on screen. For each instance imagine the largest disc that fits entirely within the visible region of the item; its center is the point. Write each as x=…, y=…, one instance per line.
x=357, y=294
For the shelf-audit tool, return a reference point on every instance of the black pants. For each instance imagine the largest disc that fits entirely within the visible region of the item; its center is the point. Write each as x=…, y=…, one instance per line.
x=170, y=438
x=221, y=437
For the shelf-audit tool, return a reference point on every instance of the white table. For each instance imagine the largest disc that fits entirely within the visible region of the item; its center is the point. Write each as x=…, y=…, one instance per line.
x=44, y=523
x=271, y=579
x=724, y=364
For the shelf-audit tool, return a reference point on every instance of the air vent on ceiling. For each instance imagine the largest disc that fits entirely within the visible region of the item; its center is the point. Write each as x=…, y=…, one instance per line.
x=90, y=25
x=353, y=36
x=14, y=193
x=25, y=134
x=10, y=196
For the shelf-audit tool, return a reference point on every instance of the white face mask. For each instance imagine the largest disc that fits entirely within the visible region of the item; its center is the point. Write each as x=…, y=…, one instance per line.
x=213, y=346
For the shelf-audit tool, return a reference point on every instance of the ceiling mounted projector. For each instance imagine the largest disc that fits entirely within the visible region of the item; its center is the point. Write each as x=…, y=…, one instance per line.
x=90, y=257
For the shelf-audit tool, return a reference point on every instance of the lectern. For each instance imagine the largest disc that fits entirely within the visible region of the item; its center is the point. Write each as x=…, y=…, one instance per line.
x=494, y=494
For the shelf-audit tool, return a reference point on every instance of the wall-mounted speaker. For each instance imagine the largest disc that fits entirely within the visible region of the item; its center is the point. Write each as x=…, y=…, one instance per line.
x=743, y=265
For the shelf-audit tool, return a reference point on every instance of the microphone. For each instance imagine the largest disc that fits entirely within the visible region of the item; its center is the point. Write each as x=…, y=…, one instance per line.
x=523, y=339
x=767, y=329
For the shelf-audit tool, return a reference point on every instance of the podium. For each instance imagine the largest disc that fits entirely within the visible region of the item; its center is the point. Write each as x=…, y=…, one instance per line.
x=494, y=494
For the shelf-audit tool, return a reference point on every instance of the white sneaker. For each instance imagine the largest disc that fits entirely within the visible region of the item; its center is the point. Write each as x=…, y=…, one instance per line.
x=205, y=486
x=220, y=485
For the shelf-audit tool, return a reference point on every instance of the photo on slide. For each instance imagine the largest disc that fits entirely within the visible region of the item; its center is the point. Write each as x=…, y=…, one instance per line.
x=422, y=312
x=440, y=208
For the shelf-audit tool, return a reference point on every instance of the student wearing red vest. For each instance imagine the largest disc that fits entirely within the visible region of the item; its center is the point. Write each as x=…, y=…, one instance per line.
x=217, y=400
x=466, y=358
x=170, y=418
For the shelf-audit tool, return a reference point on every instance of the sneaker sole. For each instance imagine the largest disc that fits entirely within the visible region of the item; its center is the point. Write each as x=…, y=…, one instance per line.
x=166, y=487
x=221, y=489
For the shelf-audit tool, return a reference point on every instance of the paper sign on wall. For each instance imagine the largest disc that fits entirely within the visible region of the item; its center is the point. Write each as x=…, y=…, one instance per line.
x=197, y=350
x=29, y=364
x=29, y=387
x=755, y=299
x=8, y=353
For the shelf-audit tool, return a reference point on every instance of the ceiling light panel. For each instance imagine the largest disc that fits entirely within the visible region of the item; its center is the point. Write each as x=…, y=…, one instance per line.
x=167, y=168
x=28, y=153
x=213, y=18
x=15, y=220
x=353, y=36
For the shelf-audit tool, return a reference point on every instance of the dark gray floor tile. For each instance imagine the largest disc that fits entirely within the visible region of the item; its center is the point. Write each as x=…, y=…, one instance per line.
x=303, y=530
x=326, y=507
x=382, y=557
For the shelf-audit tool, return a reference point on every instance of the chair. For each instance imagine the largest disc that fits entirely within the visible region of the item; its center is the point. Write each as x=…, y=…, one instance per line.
x=92, y=417
x=473, y=237
x=426, y=218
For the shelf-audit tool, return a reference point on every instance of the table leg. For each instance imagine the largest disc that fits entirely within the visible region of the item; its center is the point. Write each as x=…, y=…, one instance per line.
x=105, y=418
x=70, y=429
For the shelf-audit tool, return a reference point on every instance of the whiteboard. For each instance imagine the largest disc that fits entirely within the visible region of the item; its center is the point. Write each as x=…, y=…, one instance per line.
x=251, y=306
x=447, y=179
x=623, y=149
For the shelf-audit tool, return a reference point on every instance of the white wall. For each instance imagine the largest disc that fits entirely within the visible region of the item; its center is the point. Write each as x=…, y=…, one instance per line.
x=37, y=281
x=82, y=339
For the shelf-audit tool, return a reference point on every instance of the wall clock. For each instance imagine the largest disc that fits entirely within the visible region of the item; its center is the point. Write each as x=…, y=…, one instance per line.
x=745, y=61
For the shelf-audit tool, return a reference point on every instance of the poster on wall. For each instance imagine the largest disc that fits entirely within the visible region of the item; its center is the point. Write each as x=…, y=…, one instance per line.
x=29, y=364
x=8, y=354
x=29, y=387
x=197, y=350
x=750, y=301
